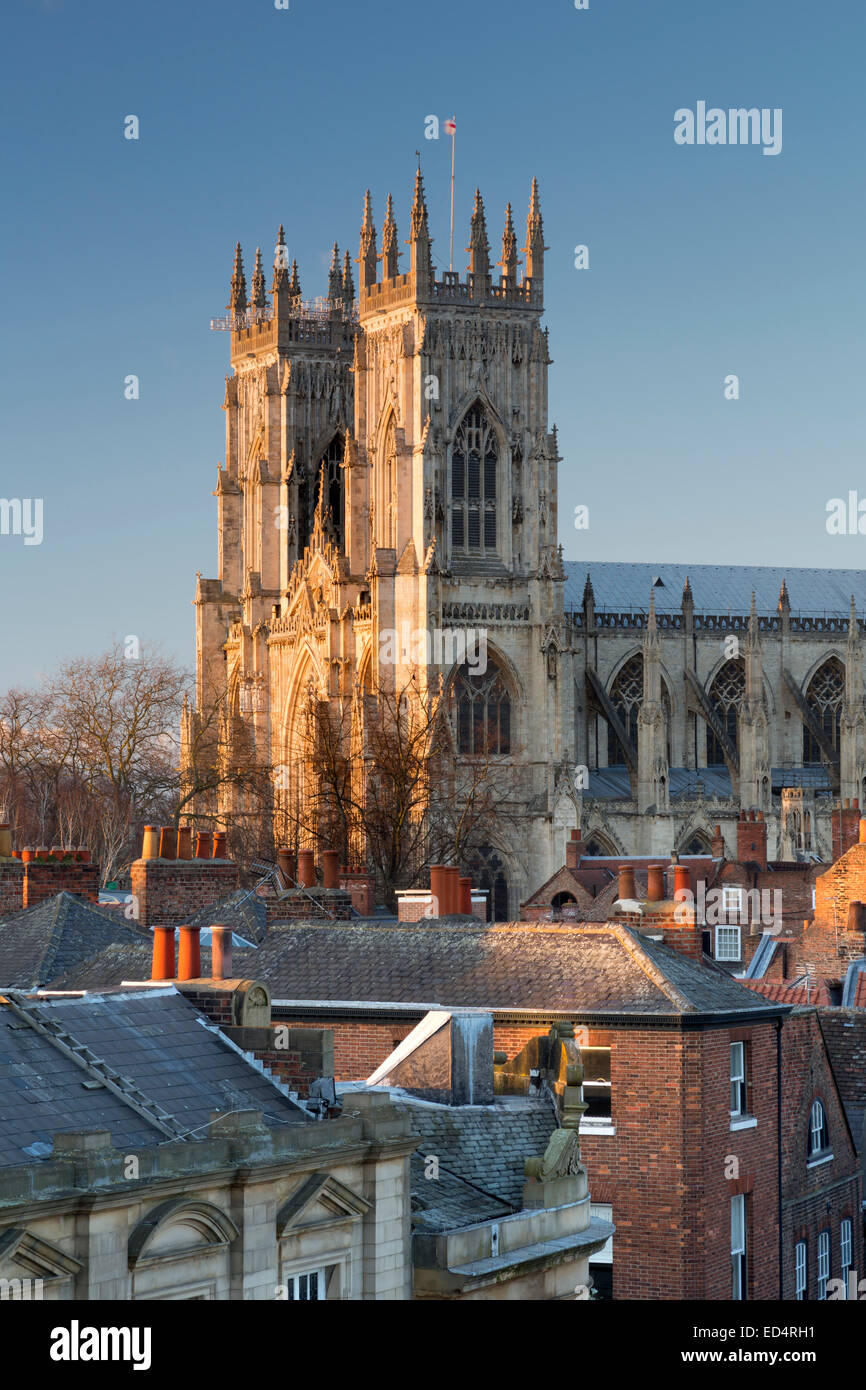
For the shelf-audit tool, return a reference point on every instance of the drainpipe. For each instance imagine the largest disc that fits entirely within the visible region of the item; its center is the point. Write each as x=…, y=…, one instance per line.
x=779, y=1023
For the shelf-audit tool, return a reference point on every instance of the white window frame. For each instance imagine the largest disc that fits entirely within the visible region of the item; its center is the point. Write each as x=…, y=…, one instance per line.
x=817, y=1125
x=845, y=1236
x=731, y=928
x=823, y=1263
x=739, y=1274
x=732, y=901
x=738, y=1078
x=293, y=1286
x=800, y=1271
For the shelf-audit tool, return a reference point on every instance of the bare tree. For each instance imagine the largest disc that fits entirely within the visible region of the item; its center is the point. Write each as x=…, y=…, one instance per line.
x=379, y=779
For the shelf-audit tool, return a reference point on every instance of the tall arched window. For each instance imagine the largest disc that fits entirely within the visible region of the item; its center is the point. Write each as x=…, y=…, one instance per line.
x=626, y=696
x=388, y=524
x=726, y=696
x=819, y=1132
x=330, y=481
x=489, y=873
x=482, y=707
x=474, y=461
x=825, y=697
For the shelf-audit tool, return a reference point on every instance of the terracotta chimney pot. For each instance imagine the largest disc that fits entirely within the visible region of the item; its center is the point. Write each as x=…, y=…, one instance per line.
x=682, y=880
x=203, y=844
x=656, y=883
x=184, y=842
x=221, y=951
x=438, y=890
x=167, y=842
x=626, y=886
x=189, y=953
x=150, y=843
x=306, y=868
x=219, y=844
x=331, y=868
x=163, y=954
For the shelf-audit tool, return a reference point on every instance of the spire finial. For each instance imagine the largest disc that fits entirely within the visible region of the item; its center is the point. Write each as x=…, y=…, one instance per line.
x=419, y=208
x=259, y=297
x=238, y=300
x=348, y=284
x=535, y=247
x=335, y=281
x=390, y=250
x=281, y=264
x=368, y=257
x=509, y=250
x=479, y=247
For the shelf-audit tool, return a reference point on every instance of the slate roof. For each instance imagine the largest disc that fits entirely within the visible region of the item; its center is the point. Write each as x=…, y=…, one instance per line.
x=612, y=783
x=844, y=1032
x=243, y=911
x=484, y=1145
x=54, y=937
x=156, y=1040
x=448, y=1201
x=128, y=964
x=604, y=968
x=622, y=587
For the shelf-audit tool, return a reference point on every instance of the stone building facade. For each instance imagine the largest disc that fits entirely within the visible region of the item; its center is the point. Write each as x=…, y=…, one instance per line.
x=390, y=469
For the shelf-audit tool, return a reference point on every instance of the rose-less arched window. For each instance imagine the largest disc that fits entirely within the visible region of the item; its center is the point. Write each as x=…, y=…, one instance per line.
x=726, y=696
x=474, y=461
x=483, y=711
x=388, y=527
x=825, y=697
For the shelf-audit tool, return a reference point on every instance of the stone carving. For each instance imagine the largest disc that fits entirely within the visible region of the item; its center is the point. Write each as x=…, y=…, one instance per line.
x=561, y=1158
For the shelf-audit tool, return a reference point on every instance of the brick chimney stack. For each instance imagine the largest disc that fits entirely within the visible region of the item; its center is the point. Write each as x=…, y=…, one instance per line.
x=846, y=826
x=574, y=849
x=752, y=838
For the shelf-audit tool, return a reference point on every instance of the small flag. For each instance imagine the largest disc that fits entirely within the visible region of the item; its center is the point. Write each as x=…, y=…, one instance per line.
x=450, y=127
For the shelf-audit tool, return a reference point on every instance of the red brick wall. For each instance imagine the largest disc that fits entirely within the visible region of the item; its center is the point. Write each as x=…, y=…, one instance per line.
x=808, y=1191
x=170, y=891
x=11, y=886
x=360, y=1046
x=43, y=880
x=665, y=1169
x=846, y=827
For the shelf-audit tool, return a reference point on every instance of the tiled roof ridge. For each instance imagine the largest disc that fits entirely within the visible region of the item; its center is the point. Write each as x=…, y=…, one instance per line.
x=636, y=949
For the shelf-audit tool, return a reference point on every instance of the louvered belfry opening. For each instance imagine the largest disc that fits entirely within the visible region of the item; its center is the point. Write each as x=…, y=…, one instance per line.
x=474, y=463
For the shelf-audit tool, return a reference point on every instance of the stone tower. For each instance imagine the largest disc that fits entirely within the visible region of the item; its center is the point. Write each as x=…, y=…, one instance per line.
x=390, y=472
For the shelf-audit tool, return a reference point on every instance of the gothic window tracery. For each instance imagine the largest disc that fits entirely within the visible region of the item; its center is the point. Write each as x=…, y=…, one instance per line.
x=474, y=465
x=825, y=696
x=489, y=873
x=481, y=706
x=626, y=695
x=726, y=696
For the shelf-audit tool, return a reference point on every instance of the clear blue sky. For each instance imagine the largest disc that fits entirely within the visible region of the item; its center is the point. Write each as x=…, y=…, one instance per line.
x=704, y=261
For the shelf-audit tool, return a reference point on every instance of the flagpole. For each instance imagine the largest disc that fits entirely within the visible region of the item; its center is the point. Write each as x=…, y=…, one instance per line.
x=451, y=248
